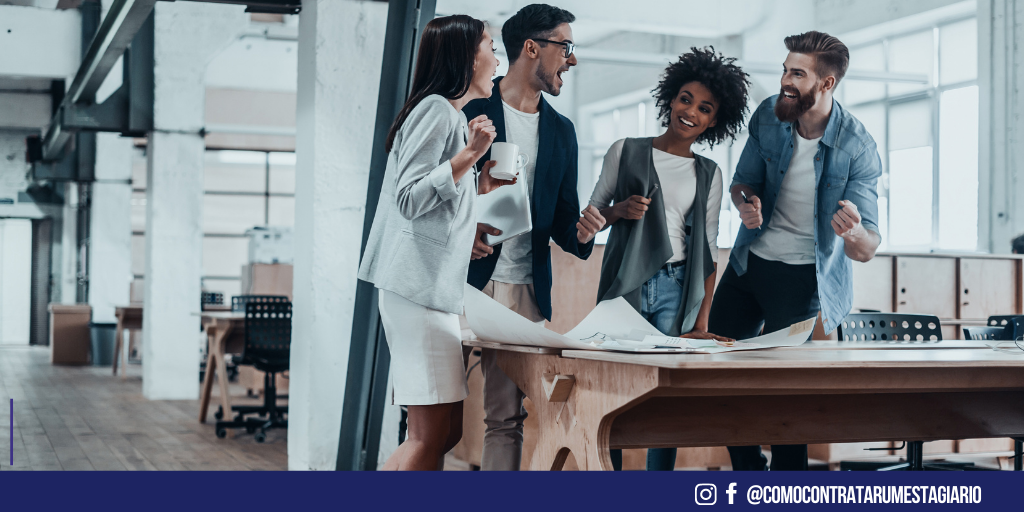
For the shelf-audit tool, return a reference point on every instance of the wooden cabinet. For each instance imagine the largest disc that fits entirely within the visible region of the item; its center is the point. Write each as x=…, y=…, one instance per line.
x=988, y=286
x=872, y=284
x=926, y=286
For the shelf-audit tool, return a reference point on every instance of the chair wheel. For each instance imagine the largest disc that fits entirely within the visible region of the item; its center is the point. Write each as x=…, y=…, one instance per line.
x=219, y=414
x=222, y=433
x=261, y=437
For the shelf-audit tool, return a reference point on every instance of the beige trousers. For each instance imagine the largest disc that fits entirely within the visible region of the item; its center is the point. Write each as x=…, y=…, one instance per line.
x=503, y=400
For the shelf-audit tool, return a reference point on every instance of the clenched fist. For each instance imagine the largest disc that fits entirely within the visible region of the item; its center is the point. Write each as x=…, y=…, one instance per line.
x=846, y=221
x=632, y=208
x=750, y=213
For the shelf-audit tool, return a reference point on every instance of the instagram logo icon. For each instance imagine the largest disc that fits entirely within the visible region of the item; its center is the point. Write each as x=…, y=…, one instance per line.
x=705, y=494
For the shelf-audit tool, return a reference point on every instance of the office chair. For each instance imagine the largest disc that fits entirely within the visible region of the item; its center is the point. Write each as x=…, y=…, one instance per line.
x=238, y=302
x=211, y=298
x=893, y=328
x=890, y=328
x=1014, y=325
x=985, y=333
x=268, y=338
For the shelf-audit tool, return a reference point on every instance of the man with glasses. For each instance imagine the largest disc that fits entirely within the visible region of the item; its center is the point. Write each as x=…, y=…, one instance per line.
x=517, y=273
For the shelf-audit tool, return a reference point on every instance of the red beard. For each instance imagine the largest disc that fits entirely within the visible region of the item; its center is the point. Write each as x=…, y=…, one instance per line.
x=788, y=112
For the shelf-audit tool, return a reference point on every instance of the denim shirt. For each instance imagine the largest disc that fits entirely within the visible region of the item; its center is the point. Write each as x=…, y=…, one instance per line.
x=846, y=166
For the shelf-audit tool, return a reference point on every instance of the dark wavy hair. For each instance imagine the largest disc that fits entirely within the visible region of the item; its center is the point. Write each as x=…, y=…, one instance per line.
x=726, y=81
x=444, y=64
x=532, y=21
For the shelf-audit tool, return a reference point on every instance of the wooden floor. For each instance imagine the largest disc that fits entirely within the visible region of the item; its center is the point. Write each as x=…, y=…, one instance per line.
x=83, y=418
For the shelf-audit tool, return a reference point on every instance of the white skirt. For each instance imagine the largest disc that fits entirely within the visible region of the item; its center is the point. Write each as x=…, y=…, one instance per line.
x=427, y=367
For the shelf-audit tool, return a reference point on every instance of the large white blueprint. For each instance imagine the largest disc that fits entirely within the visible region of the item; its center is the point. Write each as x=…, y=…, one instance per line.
x=612, y=325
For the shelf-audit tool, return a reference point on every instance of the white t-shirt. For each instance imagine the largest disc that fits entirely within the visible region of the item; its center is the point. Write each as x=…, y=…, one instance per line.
x=678, y=177
x=515, y=263
x=789, y=236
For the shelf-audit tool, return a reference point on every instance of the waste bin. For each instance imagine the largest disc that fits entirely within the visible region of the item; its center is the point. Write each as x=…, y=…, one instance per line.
x=102, y=337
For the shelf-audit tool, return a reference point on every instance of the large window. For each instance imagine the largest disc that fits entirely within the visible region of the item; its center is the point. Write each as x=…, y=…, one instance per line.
x=242, y=189
x=927, y=134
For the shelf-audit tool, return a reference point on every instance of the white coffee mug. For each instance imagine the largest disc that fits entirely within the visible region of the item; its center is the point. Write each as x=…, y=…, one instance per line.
x=509, y=160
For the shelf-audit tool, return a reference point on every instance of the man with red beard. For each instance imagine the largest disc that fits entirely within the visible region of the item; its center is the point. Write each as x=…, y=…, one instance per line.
x=806, y=189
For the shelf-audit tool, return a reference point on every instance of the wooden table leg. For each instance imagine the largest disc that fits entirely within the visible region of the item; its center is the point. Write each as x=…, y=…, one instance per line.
x=222, y=329
x=222, y=371
x=581, y=424
x=118, y=340
x=204, y=395
x=126, y=350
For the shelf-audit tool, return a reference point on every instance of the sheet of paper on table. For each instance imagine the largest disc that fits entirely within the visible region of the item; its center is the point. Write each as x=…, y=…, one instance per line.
x=612, y=325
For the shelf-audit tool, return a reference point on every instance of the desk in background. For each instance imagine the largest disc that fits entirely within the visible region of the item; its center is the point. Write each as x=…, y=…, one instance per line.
x=129, y=318
x=225, y=333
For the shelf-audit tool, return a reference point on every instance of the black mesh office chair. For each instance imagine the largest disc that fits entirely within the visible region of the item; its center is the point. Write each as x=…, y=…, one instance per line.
x=893, y=328
x=1013, y=326
x=268, y=338
x=985, y=333
x=211, y=298
x=238, y=302
x=890, y=328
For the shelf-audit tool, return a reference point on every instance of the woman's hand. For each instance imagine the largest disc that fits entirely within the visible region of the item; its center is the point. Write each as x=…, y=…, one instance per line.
x=632, y=208
x=488, y=183
x=701, y=334
x=481, y=135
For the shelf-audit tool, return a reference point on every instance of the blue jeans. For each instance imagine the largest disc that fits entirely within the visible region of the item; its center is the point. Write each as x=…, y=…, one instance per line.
x=659, y=304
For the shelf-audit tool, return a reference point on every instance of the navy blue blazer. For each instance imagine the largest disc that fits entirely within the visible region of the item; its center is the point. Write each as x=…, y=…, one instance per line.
x=554, y=204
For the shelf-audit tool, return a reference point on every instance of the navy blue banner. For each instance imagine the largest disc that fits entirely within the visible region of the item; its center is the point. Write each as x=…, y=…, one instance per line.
x=578, y=492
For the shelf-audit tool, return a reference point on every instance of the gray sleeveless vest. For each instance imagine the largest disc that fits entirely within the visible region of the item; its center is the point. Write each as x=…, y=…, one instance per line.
x=637, y=249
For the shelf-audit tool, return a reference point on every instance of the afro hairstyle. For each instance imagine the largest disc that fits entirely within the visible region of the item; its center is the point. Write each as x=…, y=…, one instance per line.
x=726, y=81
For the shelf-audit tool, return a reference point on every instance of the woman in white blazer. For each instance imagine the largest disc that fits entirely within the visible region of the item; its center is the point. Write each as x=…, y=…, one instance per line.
x=421, y=241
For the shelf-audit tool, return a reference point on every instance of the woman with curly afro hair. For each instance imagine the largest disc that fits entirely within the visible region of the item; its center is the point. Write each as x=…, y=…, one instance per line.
x=662, y=201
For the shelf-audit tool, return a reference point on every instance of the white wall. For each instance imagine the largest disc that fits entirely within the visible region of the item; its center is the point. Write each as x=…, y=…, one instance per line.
x=1001, y=123
x=15, y=280
x=39, y=42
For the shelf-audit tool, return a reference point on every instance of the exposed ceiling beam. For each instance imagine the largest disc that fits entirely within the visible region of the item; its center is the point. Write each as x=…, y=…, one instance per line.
x=123, y=20
x=118, y=28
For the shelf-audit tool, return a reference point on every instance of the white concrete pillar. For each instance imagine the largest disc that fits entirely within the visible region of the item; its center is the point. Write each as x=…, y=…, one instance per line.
x=188, y=35
x=1001, y=123
x=110, y=230
x=68, y=262
x=341, y=43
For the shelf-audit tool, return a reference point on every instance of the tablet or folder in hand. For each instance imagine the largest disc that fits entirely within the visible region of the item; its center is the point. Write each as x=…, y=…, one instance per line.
x=506, y=208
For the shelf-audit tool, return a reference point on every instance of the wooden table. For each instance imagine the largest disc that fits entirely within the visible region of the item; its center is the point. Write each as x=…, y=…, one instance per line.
x=224, y=334
x=129, y=318
x=590, y=401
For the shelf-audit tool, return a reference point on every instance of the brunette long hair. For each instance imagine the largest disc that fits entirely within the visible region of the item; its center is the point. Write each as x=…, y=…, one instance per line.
x=444, y=63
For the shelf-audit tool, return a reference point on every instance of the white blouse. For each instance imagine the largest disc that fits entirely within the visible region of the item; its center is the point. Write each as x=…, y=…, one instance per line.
x=678, y=176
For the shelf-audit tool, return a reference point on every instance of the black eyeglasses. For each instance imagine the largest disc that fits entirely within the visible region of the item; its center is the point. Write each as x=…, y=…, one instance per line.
x=569, y=46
